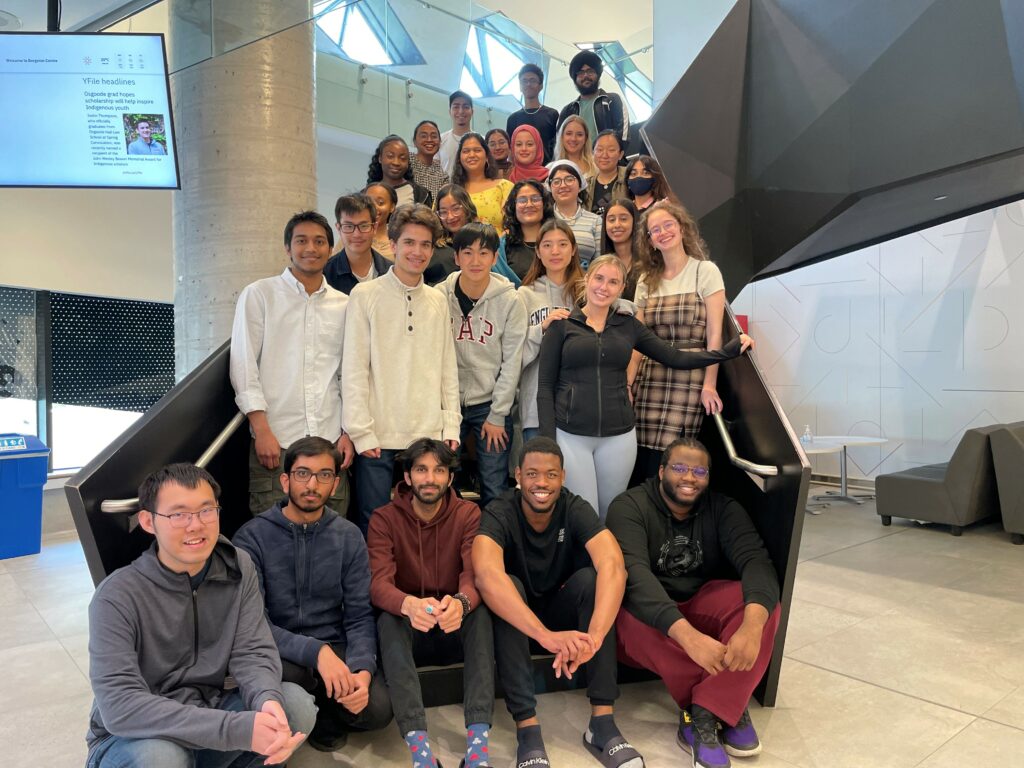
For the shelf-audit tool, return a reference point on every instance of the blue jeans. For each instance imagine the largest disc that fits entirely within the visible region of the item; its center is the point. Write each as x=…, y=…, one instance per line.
x=493, y=465
x=373, y=485
x=529, y=433
x=121, y=752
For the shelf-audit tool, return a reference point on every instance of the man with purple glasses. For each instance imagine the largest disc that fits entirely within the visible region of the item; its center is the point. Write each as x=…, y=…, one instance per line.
x=685, y=615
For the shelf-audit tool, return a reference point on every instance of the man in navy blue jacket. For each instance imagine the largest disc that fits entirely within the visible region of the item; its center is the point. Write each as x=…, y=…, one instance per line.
x=315, y=575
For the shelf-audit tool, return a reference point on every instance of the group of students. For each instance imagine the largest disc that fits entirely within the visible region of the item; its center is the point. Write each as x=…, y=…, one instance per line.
x=461, y=308
x=320, y=632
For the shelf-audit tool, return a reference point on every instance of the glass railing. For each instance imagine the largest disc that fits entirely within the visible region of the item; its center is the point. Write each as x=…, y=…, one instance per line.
x=397, y=60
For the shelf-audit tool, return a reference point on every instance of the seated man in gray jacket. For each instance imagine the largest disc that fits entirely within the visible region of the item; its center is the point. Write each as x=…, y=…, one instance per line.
x=165, y=632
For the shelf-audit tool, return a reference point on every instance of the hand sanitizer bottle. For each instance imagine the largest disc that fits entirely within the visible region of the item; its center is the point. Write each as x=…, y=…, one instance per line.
x=807, y=438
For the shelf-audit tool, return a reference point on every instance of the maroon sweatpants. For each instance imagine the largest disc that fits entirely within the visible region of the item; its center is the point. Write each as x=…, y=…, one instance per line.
x=717, y=611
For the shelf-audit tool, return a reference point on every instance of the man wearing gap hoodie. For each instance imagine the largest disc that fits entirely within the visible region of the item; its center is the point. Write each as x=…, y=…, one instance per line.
x=489, y=328
x=165, y=631
x=315, y=578
x=423, y=583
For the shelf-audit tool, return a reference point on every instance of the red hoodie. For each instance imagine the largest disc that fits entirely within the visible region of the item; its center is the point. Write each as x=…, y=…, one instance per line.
x=411, y=557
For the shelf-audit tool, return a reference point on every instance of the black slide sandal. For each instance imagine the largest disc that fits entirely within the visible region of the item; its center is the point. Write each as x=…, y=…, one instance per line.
x=617, y=752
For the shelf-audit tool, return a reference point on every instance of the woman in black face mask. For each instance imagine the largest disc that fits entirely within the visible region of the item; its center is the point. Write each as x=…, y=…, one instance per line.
x=646, y=183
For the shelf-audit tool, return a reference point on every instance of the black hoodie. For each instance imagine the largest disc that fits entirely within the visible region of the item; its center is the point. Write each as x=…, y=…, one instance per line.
x=717, y=540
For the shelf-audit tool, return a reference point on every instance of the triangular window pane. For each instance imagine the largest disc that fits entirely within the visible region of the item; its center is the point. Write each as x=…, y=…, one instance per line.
x=360, y=43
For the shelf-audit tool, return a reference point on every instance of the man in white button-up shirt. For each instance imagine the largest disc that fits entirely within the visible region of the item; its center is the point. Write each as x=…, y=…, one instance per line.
x=286, y=347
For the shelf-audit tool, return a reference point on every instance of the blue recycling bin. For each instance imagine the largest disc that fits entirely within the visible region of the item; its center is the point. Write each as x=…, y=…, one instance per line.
x=23, y=461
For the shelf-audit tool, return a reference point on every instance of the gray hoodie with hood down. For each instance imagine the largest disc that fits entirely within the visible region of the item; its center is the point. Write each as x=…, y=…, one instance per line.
x=488, y=345
x=159, y=652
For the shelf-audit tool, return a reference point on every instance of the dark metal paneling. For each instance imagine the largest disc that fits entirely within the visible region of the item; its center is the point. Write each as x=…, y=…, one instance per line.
x=178, y=428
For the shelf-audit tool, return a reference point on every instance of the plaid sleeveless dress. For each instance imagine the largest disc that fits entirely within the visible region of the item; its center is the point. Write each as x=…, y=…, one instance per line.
x=667, y=402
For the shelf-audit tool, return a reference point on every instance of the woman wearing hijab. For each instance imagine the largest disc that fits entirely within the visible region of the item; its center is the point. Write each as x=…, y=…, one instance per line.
x=527, y=155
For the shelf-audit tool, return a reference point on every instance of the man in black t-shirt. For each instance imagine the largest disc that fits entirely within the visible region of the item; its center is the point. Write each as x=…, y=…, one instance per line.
x=544, y=119
x=550, y=571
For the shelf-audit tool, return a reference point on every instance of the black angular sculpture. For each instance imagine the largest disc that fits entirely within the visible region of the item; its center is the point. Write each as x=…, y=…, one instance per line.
x=808, y=129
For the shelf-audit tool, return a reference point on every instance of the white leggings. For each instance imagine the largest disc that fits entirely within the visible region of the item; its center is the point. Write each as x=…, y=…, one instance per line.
x=598, y=468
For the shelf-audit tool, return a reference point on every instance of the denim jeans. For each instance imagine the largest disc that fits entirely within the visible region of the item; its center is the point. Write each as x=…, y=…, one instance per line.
x=373, y=485
x=493, y=465
x=121, y=752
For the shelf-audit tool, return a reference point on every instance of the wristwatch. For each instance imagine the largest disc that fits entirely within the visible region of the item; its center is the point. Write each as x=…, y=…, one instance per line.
x=464, y=599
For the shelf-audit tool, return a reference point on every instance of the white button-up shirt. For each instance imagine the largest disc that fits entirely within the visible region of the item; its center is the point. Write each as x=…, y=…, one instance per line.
x=286, y=356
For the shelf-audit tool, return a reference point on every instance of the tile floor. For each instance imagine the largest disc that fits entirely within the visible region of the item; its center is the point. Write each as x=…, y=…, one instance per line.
x=905, y=648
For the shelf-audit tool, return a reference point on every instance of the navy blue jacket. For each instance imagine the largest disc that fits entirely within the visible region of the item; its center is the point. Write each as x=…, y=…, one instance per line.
x=316, y=585
x=339, y=275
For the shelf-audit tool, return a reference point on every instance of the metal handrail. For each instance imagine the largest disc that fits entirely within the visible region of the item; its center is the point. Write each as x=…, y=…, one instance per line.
x=130, y=506
x=761, y=470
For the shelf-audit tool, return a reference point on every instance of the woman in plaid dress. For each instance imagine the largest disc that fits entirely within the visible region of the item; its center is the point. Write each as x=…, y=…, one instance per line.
x=681, y=297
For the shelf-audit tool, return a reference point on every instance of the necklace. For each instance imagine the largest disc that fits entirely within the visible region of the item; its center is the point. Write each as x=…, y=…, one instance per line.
x=538, y=109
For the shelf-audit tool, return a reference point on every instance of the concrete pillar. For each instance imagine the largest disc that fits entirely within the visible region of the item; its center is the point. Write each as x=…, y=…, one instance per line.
x=246, y=136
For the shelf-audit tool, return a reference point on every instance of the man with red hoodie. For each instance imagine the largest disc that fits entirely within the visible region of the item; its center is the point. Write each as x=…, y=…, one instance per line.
x=431, y=612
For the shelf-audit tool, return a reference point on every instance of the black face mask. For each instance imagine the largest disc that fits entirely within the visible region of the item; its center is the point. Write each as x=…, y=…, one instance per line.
x=640, y=185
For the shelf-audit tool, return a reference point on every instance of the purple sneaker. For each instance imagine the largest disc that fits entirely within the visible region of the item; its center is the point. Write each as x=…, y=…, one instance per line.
x=741, y=739
x=698, y=735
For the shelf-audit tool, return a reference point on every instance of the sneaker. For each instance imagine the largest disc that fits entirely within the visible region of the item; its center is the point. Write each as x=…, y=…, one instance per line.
x=741, y=740
x=323, y=743
x=698, y=735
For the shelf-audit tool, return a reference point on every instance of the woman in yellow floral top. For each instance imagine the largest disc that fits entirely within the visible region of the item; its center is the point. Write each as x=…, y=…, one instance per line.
x=475, y=171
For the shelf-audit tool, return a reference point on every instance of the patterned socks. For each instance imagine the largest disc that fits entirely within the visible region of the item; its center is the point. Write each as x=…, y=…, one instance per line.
x=476, y=745
x=419, y=749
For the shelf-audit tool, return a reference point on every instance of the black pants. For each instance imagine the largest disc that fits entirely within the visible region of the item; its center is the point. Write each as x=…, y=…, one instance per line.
x=404, y=648
x=333, y=719
x=567, y=608
x=648, y=462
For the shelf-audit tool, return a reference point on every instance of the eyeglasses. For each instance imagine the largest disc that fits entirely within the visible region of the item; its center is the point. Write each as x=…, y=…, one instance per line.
x=206, y=515
x=445, y=213
x=682, y=469
x=531, y=200
x=365, y=227
x=585, y=71
x=324, y=476
x=564, y=181
x=529, y=81
x=668, y=226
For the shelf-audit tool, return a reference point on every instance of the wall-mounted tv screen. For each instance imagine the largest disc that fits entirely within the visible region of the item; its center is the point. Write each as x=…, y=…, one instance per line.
x=85, y=110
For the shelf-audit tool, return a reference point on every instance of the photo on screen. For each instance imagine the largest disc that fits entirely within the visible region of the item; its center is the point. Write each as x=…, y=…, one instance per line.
x=144, y=134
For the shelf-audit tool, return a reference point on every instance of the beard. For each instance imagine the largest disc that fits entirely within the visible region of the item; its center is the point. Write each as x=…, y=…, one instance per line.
x=428, y=493
x=668, y=488
x=307, y=503
x=587, y=90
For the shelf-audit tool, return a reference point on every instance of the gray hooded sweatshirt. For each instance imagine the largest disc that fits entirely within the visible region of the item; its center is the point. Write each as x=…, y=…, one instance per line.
x=539, y=298
x=159, y=652
x=488, y=345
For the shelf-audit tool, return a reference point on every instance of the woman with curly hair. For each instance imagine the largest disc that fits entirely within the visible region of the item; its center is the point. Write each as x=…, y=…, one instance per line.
x=528, y=206
x=385, y=200
x=390, y=165
x=681, y=297
x=475, y=171
x=646, y=183
x=426, y=168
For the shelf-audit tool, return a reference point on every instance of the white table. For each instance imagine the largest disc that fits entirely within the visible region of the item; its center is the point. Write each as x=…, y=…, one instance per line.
x=838, y=444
